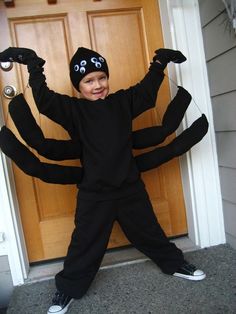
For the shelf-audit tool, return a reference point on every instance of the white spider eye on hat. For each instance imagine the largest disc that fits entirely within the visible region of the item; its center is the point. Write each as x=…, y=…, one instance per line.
x=84, y=62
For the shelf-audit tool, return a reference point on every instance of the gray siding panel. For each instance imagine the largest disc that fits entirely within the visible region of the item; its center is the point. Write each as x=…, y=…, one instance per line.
x=222, y=73
x=220, y=51
x=6, y=285
x=209, y=9
x=228, y=184
x=230, y=218
x=224, y=112
x=217, y=38
x=226, y=147
x=231, y=240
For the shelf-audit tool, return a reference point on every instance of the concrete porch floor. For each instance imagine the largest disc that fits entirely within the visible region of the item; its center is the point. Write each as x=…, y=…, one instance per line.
x=113, y=258
x=140, y=287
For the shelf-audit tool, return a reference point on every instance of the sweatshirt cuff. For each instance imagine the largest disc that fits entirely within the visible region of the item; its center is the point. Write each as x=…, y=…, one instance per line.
x=157, y=67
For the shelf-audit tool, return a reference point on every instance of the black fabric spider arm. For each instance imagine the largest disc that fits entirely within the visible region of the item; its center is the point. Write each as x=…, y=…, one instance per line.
x=53, y=173
x=180, y=145
x=54, y=149
x=155, y=135
x=32, y=134
x=31, y=165
x=172, y=118
x=69, y=149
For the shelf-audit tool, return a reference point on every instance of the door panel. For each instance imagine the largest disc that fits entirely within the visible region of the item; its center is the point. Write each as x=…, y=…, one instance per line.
x=127, y=33
x=55, y=203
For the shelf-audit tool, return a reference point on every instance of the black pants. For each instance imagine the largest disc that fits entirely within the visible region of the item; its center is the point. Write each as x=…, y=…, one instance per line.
x=93, y=226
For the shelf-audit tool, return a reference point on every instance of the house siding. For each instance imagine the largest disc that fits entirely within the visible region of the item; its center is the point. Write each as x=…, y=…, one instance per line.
x=220, y=52
x=6, y=285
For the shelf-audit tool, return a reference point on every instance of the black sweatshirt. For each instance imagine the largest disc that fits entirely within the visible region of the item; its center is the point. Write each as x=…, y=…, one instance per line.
x=104, y=128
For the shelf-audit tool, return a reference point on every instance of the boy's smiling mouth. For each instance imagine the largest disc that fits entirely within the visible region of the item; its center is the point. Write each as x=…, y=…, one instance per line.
x=100, y=93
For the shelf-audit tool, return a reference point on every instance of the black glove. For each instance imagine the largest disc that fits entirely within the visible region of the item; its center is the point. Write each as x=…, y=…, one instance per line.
x=20, y=55
x=167, y=55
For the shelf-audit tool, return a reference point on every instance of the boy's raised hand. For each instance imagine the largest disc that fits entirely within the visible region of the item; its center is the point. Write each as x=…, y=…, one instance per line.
x=165, y=56
x=20, y=55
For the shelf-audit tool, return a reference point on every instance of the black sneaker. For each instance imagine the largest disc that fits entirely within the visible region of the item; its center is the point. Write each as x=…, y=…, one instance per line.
x=60, y=303
x=190, y=272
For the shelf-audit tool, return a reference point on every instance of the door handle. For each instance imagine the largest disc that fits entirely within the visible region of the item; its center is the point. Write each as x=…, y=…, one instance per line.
x=6, y=66
x=9, y=91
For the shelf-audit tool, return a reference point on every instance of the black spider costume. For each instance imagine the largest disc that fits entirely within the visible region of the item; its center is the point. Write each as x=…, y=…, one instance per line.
x=110, y=184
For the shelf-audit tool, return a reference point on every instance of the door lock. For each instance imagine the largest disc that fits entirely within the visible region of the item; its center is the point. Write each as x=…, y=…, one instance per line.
x=9, y=91
x=6, y=66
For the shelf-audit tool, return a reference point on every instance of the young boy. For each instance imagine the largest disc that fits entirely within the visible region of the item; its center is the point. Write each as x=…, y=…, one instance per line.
x=111, y=188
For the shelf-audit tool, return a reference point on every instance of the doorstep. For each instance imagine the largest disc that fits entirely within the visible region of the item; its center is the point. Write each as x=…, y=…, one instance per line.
x=113, y=258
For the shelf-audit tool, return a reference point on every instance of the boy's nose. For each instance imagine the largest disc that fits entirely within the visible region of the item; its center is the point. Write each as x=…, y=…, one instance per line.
x=97, y=84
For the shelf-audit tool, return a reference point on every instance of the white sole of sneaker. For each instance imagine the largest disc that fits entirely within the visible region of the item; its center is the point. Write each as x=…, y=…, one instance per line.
x=194, y=278
x=62, y=311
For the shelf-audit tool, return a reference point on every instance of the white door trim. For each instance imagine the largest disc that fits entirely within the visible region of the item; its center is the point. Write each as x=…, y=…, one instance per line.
x=182, y=31
x=12, y=244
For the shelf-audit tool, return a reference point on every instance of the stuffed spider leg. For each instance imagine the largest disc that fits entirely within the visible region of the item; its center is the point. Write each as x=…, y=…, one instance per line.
x=32, y=134
x=59, y=150
x=32, y=166
x=180, y=145
x=171, y=120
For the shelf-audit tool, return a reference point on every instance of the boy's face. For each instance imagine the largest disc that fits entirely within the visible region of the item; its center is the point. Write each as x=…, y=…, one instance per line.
x=94, y=85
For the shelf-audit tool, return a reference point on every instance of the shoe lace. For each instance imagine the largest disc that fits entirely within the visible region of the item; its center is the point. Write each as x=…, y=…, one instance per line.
x=189, y=267
x=58, y=297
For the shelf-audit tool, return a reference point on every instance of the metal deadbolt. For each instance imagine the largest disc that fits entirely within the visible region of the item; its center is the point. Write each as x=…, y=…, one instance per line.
x=6, y=66
x=9, y=91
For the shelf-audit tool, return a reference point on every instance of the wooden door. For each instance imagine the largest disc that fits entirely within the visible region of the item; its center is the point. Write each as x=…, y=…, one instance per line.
x=127, y=33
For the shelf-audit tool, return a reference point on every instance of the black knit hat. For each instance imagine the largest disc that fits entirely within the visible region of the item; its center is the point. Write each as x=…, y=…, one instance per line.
x=84, y=62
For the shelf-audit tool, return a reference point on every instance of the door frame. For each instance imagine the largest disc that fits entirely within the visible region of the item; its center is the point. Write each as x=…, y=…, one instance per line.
x=200, y=175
